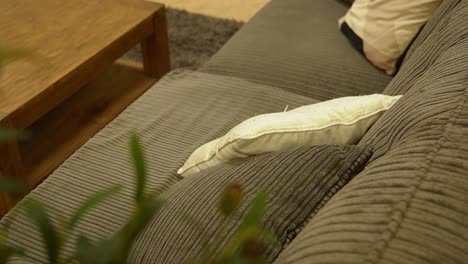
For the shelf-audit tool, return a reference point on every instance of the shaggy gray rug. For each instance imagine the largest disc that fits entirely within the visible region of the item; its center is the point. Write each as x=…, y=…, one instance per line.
x=193, y=38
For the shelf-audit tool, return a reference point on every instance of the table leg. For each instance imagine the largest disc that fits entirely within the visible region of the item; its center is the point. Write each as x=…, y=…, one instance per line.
x=10, y=166
x=155, y=48
x=6, y=203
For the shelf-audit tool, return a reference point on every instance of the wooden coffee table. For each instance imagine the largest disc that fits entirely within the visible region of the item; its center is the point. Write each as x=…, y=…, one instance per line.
x=74, y=83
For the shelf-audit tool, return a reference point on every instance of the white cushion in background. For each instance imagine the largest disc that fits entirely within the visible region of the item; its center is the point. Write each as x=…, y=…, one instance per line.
x=339, y=121
x=387, y=27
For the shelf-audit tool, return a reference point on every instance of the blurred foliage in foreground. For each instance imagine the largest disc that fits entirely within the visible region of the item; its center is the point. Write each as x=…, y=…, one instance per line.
x=247, y=246
x=8, y=55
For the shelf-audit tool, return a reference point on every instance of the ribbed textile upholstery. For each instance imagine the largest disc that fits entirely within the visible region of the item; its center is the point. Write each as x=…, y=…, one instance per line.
x=410, y=204
x=432, y=82
x=297, y=45
x=181, y=112
x=298, y=183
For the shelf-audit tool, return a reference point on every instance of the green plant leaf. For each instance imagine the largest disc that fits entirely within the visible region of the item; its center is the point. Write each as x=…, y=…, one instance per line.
x=231, y=199
x=234, y=259
x=101, y=253
x=85, y=250
x=91, y=202
x=260, y=260
x=7, y=55
x=38, y=214
x=241, y=236
x=116, y=249
x=9, y=134
x=151, y=206
x=7, y=252
x=140, y=218
x=257, y=211
x=251, y=227
x=144, y=212
x=10, y=185
x=270, y=238
x=246, y=233
x=139, y=164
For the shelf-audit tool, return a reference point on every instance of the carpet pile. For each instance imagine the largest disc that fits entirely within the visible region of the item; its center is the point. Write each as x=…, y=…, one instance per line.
x=193, y=38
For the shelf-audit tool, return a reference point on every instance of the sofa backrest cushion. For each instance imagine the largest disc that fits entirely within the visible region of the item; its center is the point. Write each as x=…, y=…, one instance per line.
x=296, y=45
x=432, y=83
x=409, y=203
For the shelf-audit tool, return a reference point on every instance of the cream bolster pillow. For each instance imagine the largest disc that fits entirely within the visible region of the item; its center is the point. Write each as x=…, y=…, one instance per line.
x=338, y=121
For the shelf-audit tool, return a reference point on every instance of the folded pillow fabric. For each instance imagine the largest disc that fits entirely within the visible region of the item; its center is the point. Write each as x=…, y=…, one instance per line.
x=338, y=121
x=298, y=183
x=383, y=29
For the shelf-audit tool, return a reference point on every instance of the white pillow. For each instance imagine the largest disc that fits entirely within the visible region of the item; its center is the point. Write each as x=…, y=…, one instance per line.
x=338, y=121
x=387, y=27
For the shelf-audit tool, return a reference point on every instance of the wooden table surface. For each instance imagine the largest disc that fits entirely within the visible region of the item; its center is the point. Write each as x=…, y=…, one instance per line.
x=63, y=36
x=73, y=83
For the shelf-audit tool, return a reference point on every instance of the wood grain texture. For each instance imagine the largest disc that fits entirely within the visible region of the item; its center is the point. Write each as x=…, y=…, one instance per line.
x=11, y=162
x=63, y=130
x=11, y=166
x=5, y=203
x=58, y=134
x=65, y=92
x=72, y=41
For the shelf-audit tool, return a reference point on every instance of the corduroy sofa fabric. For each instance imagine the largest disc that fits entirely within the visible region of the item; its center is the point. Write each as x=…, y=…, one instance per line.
x=406, y=207
x=298, y=183
x=177, y=115
x=410, y=203
x=296, y=45
x=432, y=83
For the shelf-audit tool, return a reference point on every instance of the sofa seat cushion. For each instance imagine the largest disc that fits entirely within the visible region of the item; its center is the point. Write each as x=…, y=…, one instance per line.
x=297, y=183
x=179, y=113
x=297, y=45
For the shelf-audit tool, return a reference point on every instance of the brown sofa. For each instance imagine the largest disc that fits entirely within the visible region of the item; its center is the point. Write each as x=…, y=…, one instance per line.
x=408, y=205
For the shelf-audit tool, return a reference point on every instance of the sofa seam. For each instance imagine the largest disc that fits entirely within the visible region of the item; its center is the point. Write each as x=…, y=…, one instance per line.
x=398, y=213
x=348, y=174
